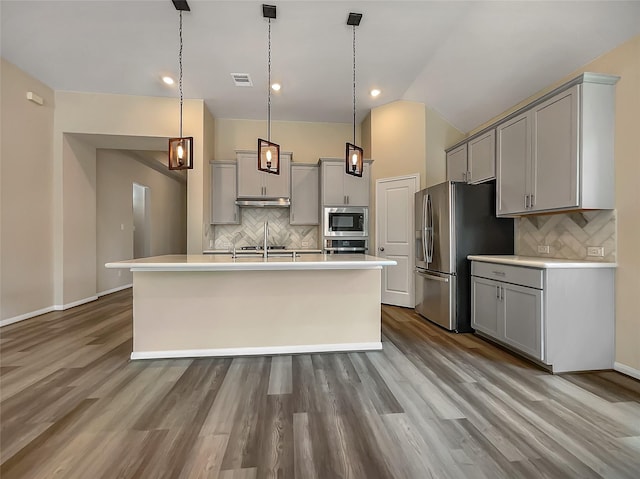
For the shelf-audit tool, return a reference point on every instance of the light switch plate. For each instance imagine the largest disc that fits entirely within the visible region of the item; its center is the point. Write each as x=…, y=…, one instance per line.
x=597, y=251
x=543, y=249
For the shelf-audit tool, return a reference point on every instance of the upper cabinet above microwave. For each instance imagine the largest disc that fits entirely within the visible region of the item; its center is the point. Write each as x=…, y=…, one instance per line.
x=557, y=153
x=339, y=189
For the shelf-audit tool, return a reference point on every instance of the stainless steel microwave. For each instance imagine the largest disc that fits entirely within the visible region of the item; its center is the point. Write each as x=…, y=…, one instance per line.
x=351, y=221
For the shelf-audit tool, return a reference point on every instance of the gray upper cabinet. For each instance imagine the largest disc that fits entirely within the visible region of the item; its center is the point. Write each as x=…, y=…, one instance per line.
x=474, y=161
x=554, y=159
x=481, y=161
x=253, y=183
x=223, y=193
x=557, y=154
x=457, y=164
x=514, y=143
x=305, y=196
x=340, y=189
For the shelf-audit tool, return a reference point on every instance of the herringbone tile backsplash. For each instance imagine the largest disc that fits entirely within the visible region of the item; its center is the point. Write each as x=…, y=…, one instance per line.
x=251, y=231
x=568, y=234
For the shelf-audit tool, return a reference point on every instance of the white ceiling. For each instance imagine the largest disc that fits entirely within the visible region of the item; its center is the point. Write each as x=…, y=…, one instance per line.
x=467, y=60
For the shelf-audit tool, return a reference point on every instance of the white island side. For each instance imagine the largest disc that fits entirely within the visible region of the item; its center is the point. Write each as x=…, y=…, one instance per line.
x=216, y=305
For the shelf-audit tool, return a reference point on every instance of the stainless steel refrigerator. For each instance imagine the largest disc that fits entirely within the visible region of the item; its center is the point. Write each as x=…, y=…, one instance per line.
x=454, y=220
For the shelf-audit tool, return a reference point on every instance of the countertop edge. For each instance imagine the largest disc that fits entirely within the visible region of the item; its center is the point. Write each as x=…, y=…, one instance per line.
x=541, y=263
x=254, y=264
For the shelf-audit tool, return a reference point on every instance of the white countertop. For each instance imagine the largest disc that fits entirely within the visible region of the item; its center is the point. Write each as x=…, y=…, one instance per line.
x=538, y=262
x=218, y=262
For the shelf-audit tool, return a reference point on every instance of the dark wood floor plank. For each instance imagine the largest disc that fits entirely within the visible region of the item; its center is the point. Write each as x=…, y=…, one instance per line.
x=430, y=404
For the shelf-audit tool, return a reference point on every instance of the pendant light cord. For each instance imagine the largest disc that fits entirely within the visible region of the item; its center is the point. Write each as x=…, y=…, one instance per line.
x=180, y=64
x=269, y=90
x=354, y=84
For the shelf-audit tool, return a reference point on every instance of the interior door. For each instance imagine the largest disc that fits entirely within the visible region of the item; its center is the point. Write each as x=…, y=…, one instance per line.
x=395, y=237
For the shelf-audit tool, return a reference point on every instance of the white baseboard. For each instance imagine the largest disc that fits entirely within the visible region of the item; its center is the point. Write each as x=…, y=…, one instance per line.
x=62, y=307
x=115, y=290
x=628, y=370
x=22, y=317
x=257, y=351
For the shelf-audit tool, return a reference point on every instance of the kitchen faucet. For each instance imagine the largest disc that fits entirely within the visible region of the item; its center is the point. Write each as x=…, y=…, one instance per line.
x=266, y=239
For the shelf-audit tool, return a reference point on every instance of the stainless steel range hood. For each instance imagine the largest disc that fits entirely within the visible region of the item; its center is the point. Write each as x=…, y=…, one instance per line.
x=263, y=202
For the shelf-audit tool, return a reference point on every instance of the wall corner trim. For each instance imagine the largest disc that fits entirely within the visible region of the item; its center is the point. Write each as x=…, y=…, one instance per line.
x=62, y=307
x=628, y=370
x=115, y=290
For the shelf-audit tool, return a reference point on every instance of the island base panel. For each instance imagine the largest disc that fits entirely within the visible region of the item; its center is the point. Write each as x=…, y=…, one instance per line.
x=227, y=313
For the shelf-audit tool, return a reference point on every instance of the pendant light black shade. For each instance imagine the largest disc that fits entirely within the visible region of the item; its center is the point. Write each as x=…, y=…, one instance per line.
x=181, y=149
x=269, y=152
x=268, y=156
x=353, y=156
x=354, y=160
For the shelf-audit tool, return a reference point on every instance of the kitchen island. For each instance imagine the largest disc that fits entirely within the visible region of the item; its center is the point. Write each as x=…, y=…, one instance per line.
x=216, y=305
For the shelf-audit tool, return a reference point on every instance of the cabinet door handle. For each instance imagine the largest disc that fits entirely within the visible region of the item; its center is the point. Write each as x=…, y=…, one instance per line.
x=497, y=292
x=525, y=202
x=468, y=176
x=501, y=293
x=348, y=199
x=532, y=201
x=499, y=273
x=464, y=176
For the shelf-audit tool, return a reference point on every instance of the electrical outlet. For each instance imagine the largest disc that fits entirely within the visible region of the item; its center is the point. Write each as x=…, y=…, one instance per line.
x=597, y=251
x=543, y=249
x=305, y=244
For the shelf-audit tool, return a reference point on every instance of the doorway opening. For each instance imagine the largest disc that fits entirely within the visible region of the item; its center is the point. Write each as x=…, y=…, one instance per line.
x=141, y=221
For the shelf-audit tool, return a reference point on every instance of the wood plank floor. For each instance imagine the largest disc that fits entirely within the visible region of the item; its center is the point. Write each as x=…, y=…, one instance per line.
x=430, y=405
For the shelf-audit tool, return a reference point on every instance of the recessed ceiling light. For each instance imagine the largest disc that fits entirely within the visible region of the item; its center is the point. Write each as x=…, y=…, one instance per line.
x=168, y=80
x=275, y=87
x=375, y=92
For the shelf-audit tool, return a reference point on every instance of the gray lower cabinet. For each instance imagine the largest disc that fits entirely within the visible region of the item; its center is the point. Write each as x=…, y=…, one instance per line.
x=563, y=318
x=508, y=312
x=305, y=209
x=223, y=193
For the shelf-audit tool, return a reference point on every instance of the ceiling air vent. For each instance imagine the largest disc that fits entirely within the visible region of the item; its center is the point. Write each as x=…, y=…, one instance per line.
x=241, y=79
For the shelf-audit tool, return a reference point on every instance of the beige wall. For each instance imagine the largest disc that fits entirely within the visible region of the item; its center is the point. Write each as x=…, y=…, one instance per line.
x=77, y=256
x=26, y=211
x=440, y=134
x=306, y=140
x=397, y=143
x=624, y=61
x=116, y=171
x=398, y=140
x=101, y=114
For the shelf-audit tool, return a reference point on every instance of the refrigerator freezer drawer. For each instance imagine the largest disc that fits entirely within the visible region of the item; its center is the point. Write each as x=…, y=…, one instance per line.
x=436, y=298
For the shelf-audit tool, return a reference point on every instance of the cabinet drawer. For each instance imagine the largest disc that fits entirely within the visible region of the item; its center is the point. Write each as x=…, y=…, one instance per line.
x=530, y=277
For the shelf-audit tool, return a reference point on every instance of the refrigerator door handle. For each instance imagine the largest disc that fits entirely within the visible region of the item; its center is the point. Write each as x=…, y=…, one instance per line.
x=425, y=230
x=442, y=279
x=430, y=230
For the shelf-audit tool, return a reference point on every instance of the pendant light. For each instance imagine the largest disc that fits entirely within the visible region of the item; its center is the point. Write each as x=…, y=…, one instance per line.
x=181, y=149
x=269, y=152
x=353, y=155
